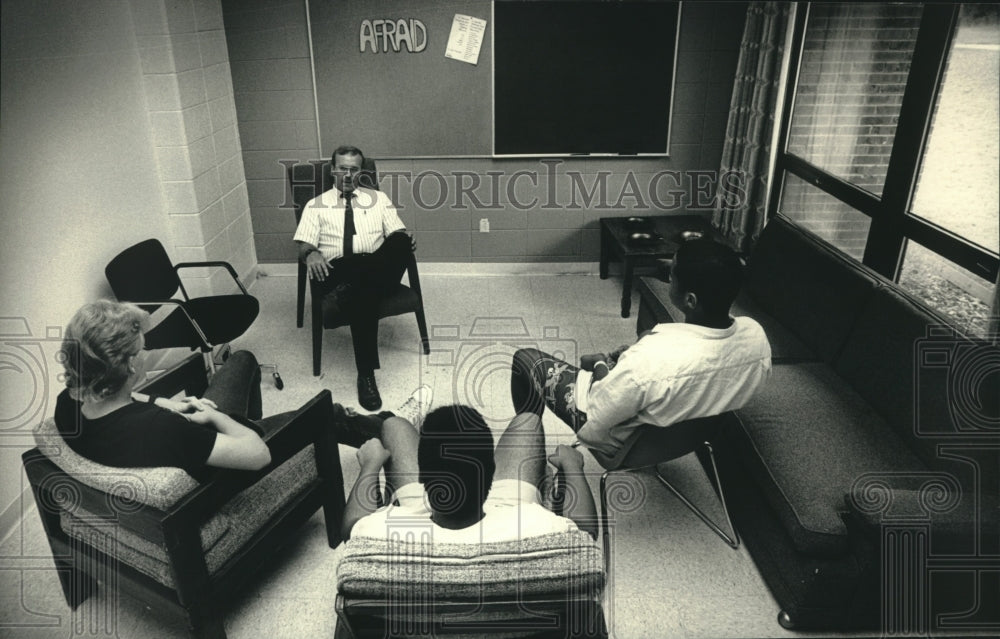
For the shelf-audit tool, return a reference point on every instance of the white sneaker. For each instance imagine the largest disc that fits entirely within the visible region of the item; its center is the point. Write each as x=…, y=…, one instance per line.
x=417, y=406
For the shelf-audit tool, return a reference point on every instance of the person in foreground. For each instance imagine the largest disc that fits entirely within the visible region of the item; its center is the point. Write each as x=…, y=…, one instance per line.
x=101, y=417
x=707, y=365
x=353, y=243
x=449, y=476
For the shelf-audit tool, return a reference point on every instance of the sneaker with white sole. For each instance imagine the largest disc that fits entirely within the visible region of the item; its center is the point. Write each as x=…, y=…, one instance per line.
x=417, y=406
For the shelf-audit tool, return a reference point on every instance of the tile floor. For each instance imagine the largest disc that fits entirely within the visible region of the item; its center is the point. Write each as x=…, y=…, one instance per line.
x=671, y=576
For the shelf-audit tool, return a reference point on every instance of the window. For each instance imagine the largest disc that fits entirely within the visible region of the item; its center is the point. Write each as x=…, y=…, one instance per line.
x=957, y=187
x=855, y=58
x=825, y=215
x=947, y=287
x=891, y=145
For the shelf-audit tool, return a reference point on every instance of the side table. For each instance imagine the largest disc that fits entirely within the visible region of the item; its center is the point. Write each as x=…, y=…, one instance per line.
x=616, y=243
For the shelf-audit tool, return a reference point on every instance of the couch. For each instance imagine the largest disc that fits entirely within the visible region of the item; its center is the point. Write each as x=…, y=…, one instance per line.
x=864, y=474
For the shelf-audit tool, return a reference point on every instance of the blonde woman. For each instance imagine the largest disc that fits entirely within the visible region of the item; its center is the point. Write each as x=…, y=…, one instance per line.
x=102, y=418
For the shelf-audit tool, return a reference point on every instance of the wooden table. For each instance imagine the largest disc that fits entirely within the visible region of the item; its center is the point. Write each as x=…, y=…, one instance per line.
x=616, y=243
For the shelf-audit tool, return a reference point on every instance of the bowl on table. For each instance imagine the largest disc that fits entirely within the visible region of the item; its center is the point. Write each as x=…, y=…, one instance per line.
x=643, y=237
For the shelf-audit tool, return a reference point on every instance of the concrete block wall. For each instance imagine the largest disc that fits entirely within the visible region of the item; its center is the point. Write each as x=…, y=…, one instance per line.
x=192, y=115
x=536, y=210
x=851, y=81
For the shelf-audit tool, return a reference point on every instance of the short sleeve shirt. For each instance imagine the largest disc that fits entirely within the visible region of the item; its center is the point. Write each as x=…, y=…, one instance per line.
x=138, y=435
x=511, y=512
x=322, y=222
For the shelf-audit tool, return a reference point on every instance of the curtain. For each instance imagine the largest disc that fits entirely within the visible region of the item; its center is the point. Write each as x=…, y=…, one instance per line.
x=740, y=210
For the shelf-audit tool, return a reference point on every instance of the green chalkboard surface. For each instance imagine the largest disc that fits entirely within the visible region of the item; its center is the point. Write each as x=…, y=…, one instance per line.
x=583, y=77
x=400, y=103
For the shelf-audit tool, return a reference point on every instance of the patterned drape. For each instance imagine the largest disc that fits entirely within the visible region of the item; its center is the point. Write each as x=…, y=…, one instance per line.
x=740, y=211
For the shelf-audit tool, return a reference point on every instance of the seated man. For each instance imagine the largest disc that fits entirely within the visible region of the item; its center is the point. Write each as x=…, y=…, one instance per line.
x=449, y=477
x=360, y=269
x=707, y=365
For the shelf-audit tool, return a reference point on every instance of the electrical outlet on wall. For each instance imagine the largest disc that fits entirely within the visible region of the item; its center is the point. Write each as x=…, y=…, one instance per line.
x=484, y=225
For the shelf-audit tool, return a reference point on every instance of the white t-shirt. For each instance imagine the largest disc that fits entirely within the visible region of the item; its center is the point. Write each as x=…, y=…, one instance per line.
x=512, y=512
x=676, y=373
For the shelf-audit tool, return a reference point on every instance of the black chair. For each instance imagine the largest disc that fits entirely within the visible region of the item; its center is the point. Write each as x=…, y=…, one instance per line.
x=650, y=446
x=308, y=180
x=143, y=274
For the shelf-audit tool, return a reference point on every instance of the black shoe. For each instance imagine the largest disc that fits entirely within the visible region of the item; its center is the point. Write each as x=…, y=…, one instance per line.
x=368, y=395
x=354, y=430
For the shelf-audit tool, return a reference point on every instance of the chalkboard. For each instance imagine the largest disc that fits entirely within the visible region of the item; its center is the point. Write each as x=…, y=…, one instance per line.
x=583, y=77
x=393, y=103
x=570, y=77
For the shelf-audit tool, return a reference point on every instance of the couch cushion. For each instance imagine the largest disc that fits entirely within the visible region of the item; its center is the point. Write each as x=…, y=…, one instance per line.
x=928, y=381
x=807, y=286
x=557, y=562
x=244, y=515
x=806, y=437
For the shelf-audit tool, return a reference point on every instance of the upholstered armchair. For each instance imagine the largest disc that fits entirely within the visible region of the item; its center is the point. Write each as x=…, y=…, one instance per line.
x=177, y=545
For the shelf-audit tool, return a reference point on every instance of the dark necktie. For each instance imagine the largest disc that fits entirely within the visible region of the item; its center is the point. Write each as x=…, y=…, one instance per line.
x=349, y=231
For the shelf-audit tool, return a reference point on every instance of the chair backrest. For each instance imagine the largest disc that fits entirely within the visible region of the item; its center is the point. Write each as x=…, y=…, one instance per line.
x=309, y=179
x=142, y=273
x=650, y=445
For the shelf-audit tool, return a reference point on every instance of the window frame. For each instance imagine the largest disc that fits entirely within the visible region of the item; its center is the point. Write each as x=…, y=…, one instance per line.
x=891, y=221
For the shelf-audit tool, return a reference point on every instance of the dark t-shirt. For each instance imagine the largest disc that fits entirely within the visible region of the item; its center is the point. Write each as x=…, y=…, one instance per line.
x=138, y=435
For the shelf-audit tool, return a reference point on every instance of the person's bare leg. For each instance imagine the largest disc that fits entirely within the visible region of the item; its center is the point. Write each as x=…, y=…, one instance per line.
x=400, y=438
x=520, y=453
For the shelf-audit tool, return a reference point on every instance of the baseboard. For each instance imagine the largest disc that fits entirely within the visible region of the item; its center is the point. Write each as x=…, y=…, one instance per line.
x=289, y=269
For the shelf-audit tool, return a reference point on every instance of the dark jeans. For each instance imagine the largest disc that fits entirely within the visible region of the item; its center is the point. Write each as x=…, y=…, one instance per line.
x=235, y=389
x=370, y=275
x=538, y=380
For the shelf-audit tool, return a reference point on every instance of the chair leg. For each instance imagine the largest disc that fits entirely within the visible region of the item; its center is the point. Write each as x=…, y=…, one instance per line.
x=206, y=627
x=209, y=363
x=317, y=345
x=300, y=300
x=422, y=327
x=606, y=543
x=77, y=586
x=734, y=541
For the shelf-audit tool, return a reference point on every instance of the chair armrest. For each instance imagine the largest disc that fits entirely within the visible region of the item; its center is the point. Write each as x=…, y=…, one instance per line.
x=180, y=304
x=306, y=426
x=188, y=375
x=225, y=265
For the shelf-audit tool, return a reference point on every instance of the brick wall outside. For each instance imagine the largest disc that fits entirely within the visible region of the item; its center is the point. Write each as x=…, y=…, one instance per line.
x=852, y=75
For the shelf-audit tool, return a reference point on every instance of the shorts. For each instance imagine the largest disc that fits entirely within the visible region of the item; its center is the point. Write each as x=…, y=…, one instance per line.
x=503, y=493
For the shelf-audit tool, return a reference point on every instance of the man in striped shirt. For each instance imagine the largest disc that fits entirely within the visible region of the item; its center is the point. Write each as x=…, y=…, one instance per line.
x=360, y=269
